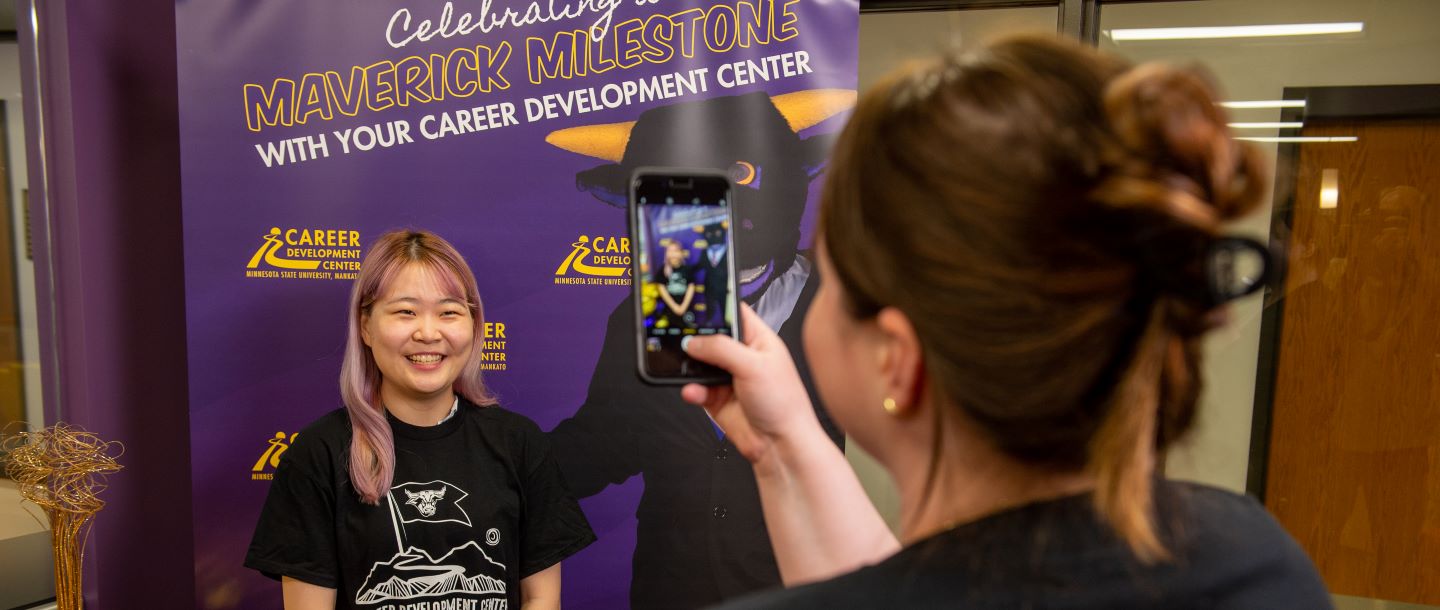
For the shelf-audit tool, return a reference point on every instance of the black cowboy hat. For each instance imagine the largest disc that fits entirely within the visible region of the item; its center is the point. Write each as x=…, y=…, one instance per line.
x=730, y=133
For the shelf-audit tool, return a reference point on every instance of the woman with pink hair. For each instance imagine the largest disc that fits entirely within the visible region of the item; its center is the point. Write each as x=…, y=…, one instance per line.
x=421, y=488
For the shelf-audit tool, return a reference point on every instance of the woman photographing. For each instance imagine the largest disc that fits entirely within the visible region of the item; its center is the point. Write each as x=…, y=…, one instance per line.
x=1019, y=249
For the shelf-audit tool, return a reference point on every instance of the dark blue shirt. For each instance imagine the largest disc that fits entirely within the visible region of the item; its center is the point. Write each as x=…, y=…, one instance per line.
x=1227, y=553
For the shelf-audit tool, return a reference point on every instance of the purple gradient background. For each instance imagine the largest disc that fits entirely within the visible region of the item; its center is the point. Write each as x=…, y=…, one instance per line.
x=264, y=354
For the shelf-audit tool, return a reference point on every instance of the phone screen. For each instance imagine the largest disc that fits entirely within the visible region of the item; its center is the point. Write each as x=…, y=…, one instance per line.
x=684, y=273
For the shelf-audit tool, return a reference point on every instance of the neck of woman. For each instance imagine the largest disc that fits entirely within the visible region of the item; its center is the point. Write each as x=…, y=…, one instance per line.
x=417, y=410
x=971, y=480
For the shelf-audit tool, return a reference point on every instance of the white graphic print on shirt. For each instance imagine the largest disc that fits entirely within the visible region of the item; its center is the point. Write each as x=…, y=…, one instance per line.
x=415, y=573
x=433, y=502
x=425, y=500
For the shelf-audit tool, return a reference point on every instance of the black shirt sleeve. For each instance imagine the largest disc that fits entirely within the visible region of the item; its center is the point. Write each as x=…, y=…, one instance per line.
x=295, y=536
x=552, y=525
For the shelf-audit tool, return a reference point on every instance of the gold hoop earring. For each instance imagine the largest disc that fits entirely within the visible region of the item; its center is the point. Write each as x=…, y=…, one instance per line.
x=890, y=406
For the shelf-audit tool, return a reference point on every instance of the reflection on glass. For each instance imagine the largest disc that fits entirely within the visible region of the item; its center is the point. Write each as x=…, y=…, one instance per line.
x=1267, y=125
x=1300, y=139
x=1248, y=104
x=1329, y=189
x=1239, y=31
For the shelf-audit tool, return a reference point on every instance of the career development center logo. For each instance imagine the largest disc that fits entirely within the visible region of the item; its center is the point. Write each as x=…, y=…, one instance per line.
x=601, y=261
x=307, y=254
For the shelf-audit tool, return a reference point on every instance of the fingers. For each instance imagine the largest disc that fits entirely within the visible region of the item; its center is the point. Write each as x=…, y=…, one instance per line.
x=695, y=394
x=735, y=357
x=709, y=397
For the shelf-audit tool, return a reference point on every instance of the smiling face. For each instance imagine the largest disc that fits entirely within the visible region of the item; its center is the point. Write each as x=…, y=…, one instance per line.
x=674, y=255
x=420, y=334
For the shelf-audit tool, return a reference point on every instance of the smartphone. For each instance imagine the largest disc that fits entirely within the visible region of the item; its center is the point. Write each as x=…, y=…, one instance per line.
x=683, y=270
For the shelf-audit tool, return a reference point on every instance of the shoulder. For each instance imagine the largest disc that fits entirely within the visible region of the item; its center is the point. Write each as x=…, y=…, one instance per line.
x=1210, y=517
x=517, y=432
x=1214, y=510
x=321, y=444
x=332, y=424
x=1228, y=552
x=331, y=428
x=1228, y=544
x=519, y=439
x=499, y=418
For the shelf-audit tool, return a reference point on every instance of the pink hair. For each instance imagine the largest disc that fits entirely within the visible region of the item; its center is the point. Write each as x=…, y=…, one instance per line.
x=372, y=447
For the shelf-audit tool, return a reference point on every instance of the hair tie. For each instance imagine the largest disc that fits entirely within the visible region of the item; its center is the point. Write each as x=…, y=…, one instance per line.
x=1168, y=269
x=1223, y=281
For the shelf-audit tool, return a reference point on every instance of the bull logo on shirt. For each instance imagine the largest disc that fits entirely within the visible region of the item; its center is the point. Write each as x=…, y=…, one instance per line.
x=425, y=500
x=429, y=502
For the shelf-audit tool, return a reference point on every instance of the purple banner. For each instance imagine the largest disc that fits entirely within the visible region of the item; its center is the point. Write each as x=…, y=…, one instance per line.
x=509, y=128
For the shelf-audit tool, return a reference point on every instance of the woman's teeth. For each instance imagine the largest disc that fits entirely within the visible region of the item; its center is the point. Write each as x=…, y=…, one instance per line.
x=425, y=358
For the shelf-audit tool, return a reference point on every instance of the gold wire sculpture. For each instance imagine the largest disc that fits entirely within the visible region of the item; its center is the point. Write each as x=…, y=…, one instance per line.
x=62, y=469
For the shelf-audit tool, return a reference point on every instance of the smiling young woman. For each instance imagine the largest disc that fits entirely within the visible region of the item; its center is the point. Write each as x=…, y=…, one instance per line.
x=421, y=473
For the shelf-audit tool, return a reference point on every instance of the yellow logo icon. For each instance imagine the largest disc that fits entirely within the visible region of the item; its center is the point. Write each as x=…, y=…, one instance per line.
x=264, y=469
x=599, y=261
x=319, y=254
x=267, y=253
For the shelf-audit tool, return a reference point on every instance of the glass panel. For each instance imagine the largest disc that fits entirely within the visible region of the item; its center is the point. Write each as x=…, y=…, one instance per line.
x=887, y=40
x=1347, y=433
x=26, y=570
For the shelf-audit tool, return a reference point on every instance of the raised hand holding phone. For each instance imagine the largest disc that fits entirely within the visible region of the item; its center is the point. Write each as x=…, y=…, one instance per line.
x=765, y=400
x=683, y=269
x=818, y=516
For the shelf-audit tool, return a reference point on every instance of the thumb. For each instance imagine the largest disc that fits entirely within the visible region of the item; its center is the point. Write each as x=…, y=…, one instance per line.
x=722, y=351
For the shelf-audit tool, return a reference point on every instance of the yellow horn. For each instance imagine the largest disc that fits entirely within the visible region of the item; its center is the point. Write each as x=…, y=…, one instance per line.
x=806, y=108
x=600, y=141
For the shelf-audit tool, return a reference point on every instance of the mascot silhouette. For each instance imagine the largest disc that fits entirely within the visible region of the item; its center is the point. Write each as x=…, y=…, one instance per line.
x=700, y=534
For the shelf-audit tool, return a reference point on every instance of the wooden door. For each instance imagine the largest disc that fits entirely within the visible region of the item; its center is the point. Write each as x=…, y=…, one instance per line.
x=1354, y=458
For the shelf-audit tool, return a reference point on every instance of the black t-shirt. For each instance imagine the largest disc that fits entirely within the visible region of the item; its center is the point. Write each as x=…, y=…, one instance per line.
x=476, y=504
x=678, y=281
x=1228, y=553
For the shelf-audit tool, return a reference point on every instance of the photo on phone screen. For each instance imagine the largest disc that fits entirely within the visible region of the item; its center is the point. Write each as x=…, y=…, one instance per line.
x=684, y=273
